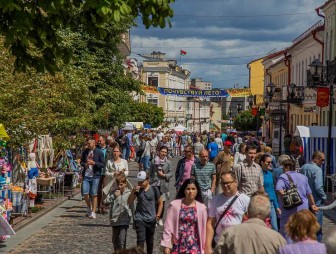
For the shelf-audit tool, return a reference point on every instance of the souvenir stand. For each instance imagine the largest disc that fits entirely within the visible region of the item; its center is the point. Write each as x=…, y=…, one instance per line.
x=6, y=205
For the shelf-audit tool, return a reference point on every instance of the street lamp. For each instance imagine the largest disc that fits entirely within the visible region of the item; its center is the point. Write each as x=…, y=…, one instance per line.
x=316, y=69
x=230, y=119
x=292, y=98
x=239, y=107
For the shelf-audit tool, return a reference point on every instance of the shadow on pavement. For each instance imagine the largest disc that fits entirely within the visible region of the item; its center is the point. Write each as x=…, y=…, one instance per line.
x=95, y=225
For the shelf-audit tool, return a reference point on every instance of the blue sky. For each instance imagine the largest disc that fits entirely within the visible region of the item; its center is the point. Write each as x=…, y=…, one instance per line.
x=222, y=36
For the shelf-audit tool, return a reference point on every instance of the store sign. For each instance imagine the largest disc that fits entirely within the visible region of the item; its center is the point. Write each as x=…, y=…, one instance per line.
x=322, y=99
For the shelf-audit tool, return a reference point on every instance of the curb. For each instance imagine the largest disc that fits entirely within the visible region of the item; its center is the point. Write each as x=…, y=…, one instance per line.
x=38, y=215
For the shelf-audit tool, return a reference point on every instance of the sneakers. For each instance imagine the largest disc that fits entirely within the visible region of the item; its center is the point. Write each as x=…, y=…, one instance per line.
x=93, y=215
x=160, y=222
x=88, y=211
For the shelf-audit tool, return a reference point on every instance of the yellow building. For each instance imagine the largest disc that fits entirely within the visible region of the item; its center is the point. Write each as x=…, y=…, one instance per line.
x=256, y=79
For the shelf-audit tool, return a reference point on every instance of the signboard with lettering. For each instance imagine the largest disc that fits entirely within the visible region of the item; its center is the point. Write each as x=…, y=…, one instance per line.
x=193, y=93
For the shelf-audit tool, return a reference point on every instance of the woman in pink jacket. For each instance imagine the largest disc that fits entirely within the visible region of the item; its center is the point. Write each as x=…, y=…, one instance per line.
x=185, y=225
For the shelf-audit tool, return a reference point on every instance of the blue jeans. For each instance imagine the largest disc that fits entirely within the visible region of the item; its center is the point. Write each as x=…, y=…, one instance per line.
x=90, y=185
x=126, y=152
x=145, y=162
x=319, y=216
x=273, y=217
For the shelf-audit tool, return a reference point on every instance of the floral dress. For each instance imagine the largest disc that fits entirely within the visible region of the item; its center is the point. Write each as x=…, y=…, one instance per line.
x=188, y=232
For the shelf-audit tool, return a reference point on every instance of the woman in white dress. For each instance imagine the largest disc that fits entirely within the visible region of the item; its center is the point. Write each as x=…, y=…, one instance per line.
x=113, y=168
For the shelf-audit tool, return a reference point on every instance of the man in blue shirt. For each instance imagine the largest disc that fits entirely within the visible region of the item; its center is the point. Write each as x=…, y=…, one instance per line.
x=312, y=170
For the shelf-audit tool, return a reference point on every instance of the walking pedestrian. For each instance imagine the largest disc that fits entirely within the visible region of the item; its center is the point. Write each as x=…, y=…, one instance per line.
x=253, y=236
x=303, y=189
x=213, y=149
x=108, y=154
x=240, y=155
x=184, y=228
x=249, y=174
x=312, y=170
x=147, y=212
x=160, y=172
x=120, y=212
x=226, y=209
x=266, y=166
x=145, y=157
x=198, y=146
x=184, y=165
x=205, y=174
x=114, y=167
x=93, y=162
x=302, y=228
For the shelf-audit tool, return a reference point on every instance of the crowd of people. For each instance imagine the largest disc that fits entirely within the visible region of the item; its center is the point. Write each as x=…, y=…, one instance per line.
x=233, y=196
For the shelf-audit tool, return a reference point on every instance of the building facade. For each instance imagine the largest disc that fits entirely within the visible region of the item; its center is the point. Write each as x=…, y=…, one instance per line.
x=157, y=71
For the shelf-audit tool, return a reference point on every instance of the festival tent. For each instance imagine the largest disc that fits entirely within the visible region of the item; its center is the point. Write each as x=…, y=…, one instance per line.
x=316, y=138
x=180, y=128
x=128, y=126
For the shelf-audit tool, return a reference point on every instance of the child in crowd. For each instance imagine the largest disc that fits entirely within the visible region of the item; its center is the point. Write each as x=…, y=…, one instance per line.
x=120, y=212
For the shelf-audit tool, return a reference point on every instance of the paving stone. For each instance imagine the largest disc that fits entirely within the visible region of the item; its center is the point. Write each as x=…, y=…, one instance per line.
x=72, y=232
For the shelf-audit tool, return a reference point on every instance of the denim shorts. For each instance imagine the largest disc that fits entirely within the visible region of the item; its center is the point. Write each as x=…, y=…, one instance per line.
x=90, y=185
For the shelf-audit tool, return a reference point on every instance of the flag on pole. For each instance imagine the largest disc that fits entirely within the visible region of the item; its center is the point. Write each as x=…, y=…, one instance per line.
x=182, y=52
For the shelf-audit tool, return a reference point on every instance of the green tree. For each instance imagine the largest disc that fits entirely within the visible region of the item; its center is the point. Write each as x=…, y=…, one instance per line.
x=147, y=113
x=32, y=28
x=245, y=121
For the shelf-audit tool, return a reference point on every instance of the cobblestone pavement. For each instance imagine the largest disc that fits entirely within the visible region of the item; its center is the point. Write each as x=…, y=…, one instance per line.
x=72, y=232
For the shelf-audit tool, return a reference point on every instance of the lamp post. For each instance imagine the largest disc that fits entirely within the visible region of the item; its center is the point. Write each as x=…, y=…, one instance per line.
x=239, y=108
x=316, y=70
x=230, y=119
x=292, y=98
x=188, y=117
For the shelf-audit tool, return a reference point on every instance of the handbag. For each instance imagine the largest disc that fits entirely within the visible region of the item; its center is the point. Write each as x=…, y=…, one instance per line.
x=291, y=197
x=221, y=217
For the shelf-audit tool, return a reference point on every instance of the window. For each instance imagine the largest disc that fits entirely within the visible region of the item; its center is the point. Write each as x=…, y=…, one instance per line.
x=152, y=100
x=153, y=81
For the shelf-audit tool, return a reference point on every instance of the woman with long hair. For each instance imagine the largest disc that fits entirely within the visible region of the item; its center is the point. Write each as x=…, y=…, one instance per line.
x=266, y=166
x=302, y=228
x=185, y=225
x=160, y=171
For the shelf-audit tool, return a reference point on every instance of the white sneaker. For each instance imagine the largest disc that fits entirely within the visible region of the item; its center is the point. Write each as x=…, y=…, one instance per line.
x=160, y=222
x=88, y=211
x=93, y=215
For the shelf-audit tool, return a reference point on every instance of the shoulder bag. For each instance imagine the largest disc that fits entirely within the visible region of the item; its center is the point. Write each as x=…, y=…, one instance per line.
x=221, y=217
x=291, y=197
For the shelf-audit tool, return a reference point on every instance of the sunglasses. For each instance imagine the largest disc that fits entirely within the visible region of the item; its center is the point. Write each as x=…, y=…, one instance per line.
x=227, y=183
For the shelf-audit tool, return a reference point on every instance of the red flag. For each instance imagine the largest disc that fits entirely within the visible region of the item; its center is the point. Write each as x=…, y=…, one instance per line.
x=182, y=52
x=322, y=99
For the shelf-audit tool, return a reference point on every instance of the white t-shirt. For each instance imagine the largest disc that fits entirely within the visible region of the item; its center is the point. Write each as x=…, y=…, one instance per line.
x=219, y=142
x=89, y=169
x=233, y=216
x=160, y=136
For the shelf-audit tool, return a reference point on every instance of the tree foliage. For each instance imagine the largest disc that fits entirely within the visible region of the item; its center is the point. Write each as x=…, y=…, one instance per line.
x=245, y=121
x=147, y=113
x=32, y=28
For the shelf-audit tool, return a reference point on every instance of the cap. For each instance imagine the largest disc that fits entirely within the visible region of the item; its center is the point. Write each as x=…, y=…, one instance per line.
x=141, y=176
x=227, y=143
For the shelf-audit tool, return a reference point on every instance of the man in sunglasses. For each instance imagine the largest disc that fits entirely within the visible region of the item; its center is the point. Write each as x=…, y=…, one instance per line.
x=312, y=170
x=233, y=215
